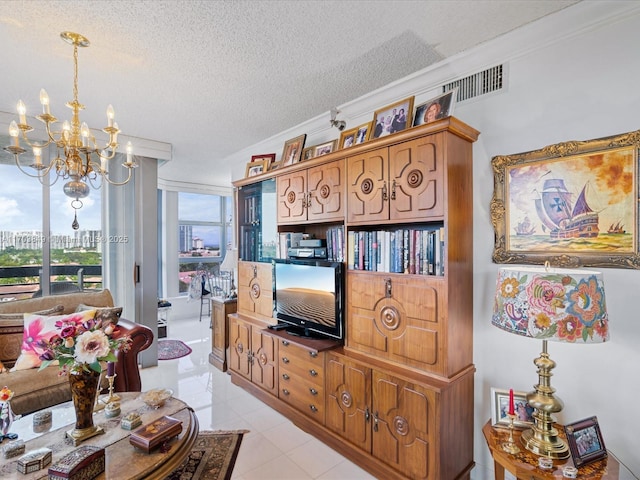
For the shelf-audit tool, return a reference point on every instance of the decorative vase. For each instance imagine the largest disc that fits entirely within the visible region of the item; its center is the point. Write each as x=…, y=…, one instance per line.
x=84, y=388
x=6, y=420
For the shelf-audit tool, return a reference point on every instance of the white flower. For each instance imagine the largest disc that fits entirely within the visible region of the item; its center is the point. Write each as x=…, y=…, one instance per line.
x=90, y=346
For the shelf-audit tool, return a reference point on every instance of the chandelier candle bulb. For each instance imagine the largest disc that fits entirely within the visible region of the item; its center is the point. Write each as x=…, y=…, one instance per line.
x=110, y=115
x=22, y=112
x=103, y=161
x=37, y=153
x=129, y=153
x=44, y=101
x=84, y=131
x=13, y=133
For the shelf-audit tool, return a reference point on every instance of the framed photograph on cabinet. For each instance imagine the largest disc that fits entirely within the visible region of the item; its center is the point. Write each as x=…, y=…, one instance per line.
x=362, y=133
x=307, y=153
x=324, y=148
x=574, y=204
x=436, y=108
x=269, y=157
x=392, y=118
x=347, y=138
x=292, y=152
x=585, y=441
x=256, y=168
x=500, y=408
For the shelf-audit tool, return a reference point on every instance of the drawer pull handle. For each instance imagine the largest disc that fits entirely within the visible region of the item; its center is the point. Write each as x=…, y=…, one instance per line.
x=285, y=391
x=313, y=391
x=313, y=373
x=285, y=360
x=285, y=343
x=313, y=354
x=313, y=408
x=285, y=376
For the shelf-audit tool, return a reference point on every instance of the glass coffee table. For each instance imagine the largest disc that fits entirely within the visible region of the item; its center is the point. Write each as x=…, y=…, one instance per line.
x=122, y=460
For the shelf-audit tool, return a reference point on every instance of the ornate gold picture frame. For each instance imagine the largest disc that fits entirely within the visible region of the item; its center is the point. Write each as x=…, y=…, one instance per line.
x=572, y=204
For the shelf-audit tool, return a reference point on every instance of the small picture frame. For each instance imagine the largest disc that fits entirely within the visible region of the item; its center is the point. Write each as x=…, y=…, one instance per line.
x=269, y=157
x=363, y=132
x=500, y=408
x=392, y=118
x=256, y=168
x=585, y=441
x=324, y=148
x=307, y=153
x=292, y=151
x=436, y=108
x=347, y=138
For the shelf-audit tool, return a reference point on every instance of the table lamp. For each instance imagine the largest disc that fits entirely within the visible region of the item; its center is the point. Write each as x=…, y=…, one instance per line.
x=228, y=264
x=555, y=304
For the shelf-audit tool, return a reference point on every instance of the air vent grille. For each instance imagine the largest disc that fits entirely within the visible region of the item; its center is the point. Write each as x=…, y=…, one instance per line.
x=477, y=84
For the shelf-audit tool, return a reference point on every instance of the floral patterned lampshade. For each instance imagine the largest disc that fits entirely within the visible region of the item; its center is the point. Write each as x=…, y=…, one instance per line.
x=563, y=305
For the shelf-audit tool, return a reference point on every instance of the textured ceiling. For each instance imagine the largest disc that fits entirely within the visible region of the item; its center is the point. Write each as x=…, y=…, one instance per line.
x=213, y=77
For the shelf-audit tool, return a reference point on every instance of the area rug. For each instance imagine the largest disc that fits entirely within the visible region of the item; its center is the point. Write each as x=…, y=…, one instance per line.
x=172, y=349
x=212, y=457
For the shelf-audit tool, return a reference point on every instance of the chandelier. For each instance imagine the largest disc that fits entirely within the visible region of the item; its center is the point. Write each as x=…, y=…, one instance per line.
x=79, y=160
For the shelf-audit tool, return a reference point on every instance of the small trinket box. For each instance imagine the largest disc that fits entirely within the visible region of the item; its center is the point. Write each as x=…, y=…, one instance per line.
x=34, y=460
x=42, y=421
x=112, y=410
x=84, y=463
x=13, y=449
x=156, y=433
x=131, y=421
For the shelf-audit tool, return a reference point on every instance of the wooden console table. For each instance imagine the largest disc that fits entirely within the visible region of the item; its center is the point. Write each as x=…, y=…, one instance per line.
x=220, y=310
x=122, y=460
x=524, y=465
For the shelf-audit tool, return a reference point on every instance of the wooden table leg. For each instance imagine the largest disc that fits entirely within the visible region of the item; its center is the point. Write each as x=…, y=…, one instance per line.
x=499, y=470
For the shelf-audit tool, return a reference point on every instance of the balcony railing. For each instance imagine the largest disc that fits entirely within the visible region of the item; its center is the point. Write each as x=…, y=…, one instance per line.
x=78, y=278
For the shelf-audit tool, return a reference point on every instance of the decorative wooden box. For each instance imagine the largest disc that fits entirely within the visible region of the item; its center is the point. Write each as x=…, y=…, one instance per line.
x=34, y=460
x=156, y=433
x=84, y=463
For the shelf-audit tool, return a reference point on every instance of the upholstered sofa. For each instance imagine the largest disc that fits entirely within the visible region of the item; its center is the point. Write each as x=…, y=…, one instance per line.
x=34, y=389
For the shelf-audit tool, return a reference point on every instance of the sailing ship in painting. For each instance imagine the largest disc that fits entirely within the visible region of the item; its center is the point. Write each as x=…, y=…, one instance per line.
x=561, y=217
x=525, y=227
x=617, y=228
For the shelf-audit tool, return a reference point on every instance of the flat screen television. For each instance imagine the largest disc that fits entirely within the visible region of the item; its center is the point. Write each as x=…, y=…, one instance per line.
x=308, y=296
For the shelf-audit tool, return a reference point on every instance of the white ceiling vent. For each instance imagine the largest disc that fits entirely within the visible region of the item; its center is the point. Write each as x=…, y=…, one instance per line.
x=481, y=83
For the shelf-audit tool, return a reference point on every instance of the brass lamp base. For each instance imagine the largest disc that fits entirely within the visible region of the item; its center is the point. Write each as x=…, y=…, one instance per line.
x=542, y=439
x=79, y=435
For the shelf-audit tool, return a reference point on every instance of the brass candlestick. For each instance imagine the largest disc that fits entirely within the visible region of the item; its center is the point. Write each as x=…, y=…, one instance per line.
x=112, y=397
x=510, y=445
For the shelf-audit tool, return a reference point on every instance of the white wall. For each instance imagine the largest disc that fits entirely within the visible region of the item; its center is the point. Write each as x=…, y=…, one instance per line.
x=571, y=76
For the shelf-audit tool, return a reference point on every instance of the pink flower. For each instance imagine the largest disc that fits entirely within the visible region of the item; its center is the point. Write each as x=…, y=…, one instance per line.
x=91, y=346
x=34, y=336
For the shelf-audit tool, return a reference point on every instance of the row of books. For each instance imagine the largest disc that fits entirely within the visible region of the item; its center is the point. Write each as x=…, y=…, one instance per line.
x=335, y=244
x=412, y=251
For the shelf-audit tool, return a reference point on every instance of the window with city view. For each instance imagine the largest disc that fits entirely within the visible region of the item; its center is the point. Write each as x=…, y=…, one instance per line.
x=58, y=261
x=204, y=231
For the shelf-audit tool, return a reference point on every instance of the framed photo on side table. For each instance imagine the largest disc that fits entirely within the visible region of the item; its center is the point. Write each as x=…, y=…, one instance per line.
x=500, y=408
x=435, y=108
x=585, y=441
x=292, y=152
x=392, y=118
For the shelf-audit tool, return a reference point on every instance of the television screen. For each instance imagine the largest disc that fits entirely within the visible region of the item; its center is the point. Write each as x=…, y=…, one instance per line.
x=308, y=294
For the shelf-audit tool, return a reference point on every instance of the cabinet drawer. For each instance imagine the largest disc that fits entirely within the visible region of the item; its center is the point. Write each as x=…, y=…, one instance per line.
x=302, y=395
x=294, y=351
x=307, y=371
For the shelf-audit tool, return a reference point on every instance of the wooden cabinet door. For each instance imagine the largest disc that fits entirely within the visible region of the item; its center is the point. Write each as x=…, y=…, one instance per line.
x=367, y=189
x=292, y=197
x=264, y=368
x=397, y=317
x=240, y=343
x=404, y=430
x=325, y=186
x=348, y=408
x=254, y=288
x=416, y=175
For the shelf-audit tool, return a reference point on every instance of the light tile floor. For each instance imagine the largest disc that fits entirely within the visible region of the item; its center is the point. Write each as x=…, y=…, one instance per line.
x=274, y=448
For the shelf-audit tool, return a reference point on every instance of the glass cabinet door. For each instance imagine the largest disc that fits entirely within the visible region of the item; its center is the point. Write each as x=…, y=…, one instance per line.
x=258, y=233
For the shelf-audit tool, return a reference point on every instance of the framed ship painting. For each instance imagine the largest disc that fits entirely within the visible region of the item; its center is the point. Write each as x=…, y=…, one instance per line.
x=572, y=204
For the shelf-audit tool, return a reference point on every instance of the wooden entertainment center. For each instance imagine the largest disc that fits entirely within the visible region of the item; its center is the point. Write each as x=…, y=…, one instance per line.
x=396, y=397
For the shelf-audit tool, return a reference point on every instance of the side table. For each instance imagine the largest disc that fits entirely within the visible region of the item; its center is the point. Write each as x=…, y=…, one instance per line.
x=524, y=465
x=221, y=308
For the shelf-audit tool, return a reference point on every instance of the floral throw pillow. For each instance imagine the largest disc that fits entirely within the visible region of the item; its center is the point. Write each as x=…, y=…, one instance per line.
x=38, y=328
